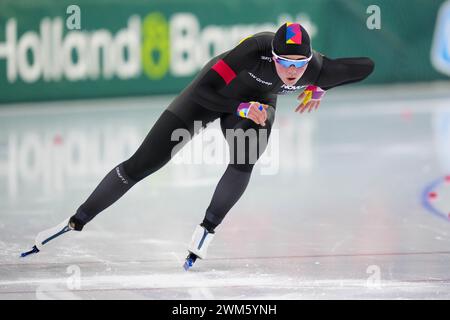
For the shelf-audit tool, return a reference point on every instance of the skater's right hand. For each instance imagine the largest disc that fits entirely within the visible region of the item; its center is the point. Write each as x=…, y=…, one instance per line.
x=254, y=111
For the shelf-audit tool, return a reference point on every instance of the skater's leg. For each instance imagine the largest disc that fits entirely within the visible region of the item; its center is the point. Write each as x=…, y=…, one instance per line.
x=113, y=186
x=154, y=152
x=228, y=191
x=247, y=142
x=157, y=149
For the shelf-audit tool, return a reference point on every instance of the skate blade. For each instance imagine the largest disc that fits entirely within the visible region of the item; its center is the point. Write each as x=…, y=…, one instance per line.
x=189, y=263
x=32, y=251
x=190, y=260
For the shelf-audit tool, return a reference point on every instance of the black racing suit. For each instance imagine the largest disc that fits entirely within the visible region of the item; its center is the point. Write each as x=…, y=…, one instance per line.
x=245, y=73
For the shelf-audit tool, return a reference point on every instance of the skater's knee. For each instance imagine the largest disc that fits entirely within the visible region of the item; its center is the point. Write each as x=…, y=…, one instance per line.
x=131, y=170
x=245, y=160
x=243, y=167
x=137, y=169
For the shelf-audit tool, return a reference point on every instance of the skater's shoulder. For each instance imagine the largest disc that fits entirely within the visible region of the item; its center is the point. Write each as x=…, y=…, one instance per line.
x=265, y=36
x=262, y=40
x=257, y=43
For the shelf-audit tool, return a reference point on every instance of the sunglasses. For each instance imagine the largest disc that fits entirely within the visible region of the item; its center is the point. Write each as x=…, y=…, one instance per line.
x=285, y=62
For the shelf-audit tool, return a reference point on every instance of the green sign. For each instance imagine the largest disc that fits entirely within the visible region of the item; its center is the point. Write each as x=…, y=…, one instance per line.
x=55, y=50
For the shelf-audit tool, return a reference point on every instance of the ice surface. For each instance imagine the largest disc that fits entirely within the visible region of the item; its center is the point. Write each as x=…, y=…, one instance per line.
x=335, y=210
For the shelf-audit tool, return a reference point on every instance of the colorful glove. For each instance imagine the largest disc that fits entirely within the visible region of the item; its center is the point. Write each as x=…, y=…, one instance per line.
x=244, y=108
x=313, y=92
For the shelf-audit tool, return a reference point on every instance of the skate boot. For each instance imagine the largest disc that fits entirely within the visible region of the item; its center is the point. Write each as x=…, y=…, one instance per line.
x=198, y=246
x=44, y=237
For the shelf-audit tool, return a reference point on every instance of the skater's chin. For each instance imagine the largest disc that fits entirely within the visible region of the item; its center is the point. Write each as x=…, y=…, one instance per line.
x=290, y=81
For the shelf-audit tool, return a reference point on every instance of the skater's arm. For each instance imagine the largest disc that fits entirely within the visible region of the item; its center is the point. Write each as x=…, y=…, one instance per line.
x=222, y=74
x=332, y=73
x=337, y=72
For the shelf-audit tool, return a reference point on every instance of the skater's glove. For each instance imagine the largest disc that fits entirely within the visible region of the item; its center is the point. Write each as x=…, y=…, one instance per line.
x=310, y=98
x=254, y=111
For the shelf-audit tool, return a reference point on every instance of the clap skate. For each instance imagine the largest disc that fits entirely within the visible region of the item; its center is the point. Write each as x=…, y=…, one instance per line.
x=198, y=246
x=46, y=236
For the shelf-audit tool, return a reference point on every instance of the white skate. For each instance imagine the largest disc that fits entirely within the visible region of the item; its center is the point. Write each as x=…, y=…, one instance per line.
x=44, y=237
x=198, y=247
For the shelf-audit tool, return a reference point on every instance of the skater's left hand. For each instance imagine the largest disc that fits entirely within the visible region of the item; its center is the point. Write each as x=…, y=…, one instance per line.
x=310, y=98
